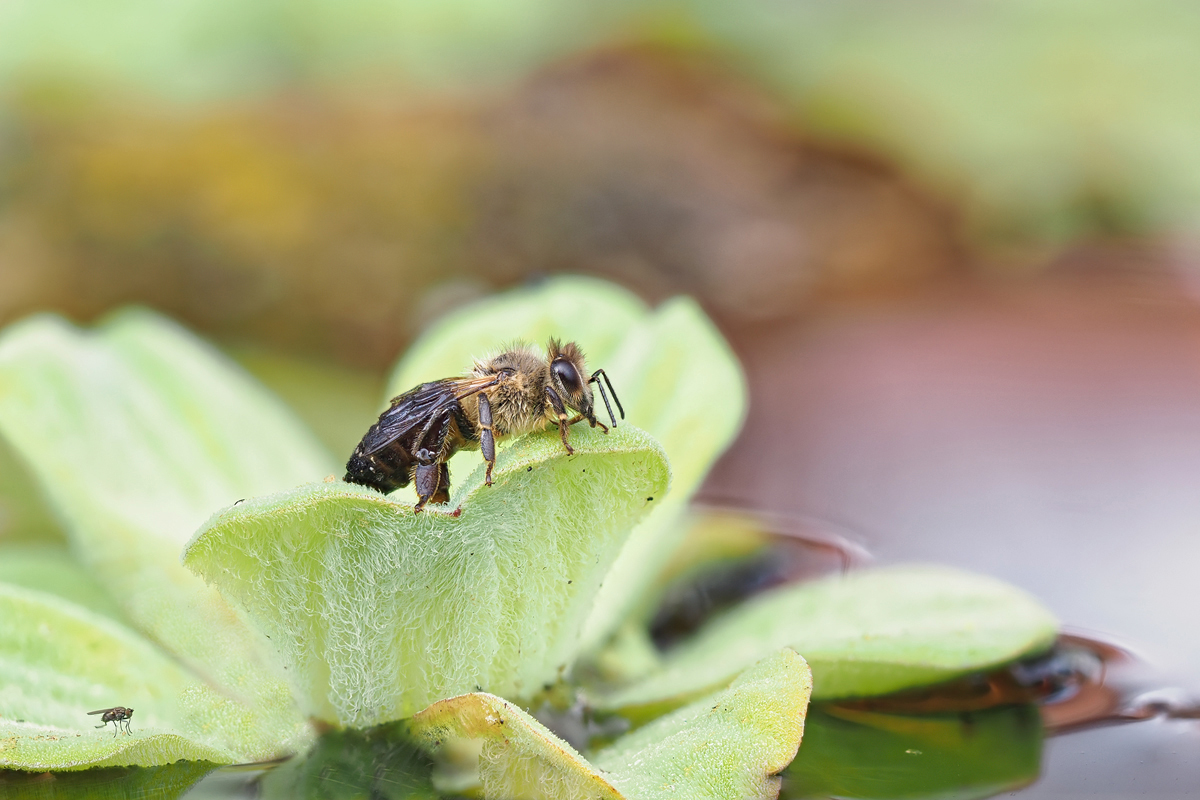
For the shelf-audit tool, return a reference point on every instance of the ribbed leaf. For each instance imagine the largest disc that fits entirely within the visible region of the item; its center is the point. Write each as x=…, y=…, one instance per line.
x=60, y=661
x=868, y=633
x=674, y=374
x=726, y=746
x=135, y=433
x=378, y=612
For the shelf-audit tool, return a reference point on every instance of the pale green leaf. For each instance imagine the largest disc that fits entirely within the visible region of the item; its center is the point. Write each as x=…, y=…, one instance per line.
x=378, y=612
x=851, y=753
x=682, y=383
x=60, y=661
x=867, y=633
x=674, y=374
x=50, y=568
x=337, y=402
x=136, y=432
x=24, y=513
x=724, y=747
x=520, y=759
x=594, y=313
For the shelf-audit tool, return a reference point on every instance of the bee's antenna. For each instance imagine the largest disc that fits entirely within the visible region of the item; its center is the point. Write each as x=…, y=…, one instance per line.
x=596, y=380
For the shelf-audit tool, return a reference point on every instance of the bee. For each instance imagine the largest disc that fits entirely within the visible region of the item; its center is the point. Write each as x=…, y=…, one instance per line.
x=515, y=392
x=115, y=715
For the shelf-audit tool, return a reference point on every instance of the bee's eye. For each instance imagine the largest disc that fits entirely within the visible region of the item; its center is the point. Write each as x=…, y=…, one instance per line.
x=569, y=377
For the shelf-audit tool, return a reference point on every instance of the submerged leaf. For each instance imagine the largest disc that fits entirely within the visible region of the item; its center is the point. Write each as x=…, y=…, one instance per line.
x=863, y=754
x=384, y=763
x=166, y=782
x=378, y=612
x=135, y=432
x=724, y=747
x=60, y=661
x=673, y=372
x=868, y=633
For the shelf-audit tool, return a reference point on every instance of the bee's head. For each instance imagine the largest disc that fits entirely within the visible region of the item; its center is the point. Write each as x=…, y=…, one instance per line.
x=567, y=377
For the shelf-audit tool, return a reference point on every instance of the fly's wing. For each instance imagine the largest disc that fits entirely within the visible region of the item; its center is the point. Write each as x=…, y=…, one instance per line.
x=413, y=409
x=101, y=711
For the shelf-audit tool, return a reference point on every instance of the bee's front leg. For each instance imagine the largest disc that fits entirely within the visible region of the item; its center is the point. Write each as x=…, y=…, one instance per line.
x=561, y=411
x=487, y=436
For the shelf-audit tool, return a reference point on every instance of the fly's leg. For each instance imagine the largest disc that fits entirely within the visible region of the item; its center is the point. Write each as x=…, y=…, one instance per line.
x=560, y=410
x=487, y=436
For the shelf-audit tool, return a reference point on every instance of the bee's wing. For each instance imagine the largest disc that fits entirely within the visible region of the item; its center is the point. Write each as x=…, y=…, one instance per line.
x=414, y=408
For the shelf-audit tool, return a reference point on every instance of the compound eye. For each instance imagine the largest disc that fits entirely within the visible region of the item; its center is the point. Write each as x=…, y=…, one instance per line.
x=569, y=376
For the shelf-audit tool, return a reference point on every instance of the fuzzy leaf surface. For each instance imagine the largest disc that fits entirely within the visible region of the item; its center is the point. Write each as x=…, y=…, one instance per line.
x=727, y=746
x=60, y=661
x=675, y=375
x=868, y=633
x=135, y=432
x=377, y=611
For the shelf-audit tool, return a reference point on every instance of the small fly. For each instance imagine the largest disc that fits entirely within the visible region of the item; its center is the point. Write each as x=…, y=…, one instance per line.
x=116, y=715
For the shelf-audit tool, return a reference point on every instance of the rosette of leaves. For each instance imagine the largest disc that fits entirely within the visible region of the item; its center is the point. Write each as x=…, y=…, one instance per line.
x=217, y=579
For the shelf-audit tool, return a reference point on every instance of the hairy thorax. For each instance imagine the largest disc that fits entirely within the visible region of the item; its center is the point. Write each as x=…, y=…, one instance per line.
x=518, y=402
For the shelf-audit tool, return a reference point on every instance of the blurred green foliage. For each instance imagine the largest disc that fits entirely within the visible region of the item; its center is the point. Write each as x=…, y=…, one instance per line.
x=1048, y=119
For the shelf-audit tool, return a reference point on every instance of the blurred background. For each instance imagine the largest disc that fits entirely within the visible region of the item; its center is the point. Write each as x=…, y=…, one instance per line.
x=955, y=244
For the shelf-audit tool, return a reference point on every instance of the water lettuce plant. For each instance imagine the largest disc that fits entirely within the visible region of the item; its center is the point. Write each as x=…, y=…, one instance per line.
x=227, y=586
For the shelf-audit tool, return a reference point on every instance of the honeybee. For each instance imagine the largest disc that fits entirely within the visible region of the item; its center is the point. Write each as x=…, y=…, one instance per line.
x=515, y=392
x=116, y=715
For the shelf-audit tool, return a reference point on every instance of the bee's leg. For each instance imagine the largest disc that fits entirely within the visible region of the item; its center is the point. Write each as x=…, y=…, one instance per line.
x=487, y=436
x=426, y=476
x=557, y=404
x=442, y=495
x=593, y=422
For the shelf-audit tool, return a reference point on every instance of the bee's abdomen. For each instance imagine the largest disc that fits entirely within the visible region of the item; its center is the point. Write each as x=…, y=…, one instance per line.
x=386, y=470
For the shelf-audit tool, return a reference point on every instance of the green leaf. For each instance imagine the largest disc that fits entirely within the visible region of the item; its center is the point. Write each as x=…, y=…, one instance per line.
x=682, y=383
x=378, y=612
x=24, y=515
x=676, y=377
x=868, y=633
x=52, y=569
x=112, y=783
x=725, y=746
x=136, y=432
x=594, y=313
x=384, y=763
x=61, y=661
x=337, y=402
x=863, y=754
